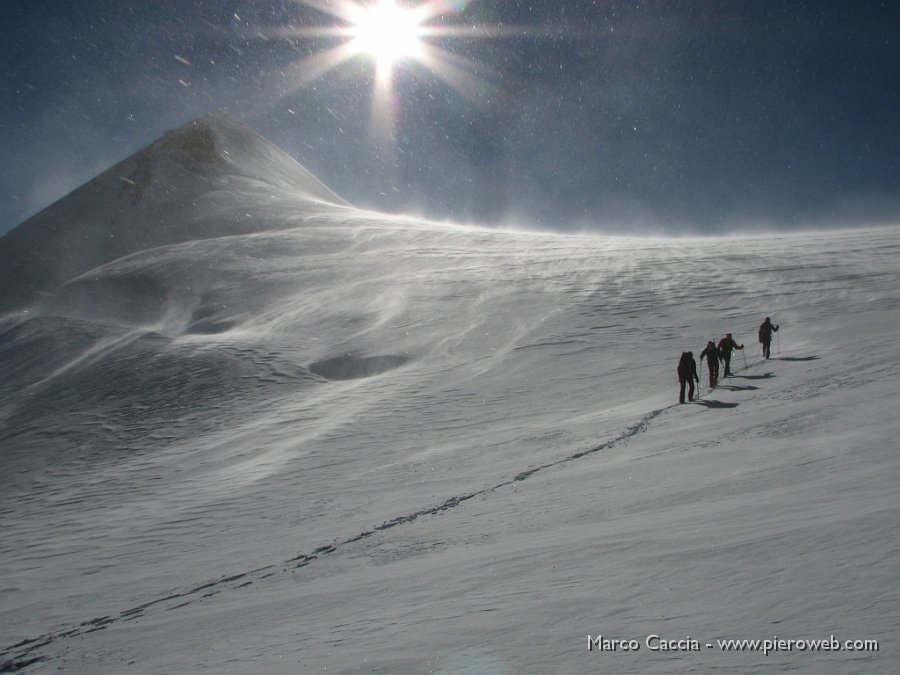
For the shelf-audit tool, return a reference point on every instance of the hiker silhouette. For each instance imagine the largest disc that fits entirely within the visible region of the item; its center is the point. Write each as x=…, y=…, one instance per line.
x=712, y=361
x=765, y=335
x=726, y=345
x=687, y=374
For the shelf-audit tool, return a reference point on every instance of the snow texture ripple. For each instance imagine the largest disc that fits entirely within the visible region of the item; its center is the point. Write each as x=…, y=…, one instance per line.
x=278, y=434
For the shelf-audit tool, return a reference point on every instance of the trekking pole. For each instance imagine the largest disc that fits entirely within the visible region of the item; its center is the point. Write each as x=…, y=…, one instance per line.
x=744, y=354
x=778, y=337
x=700, y=383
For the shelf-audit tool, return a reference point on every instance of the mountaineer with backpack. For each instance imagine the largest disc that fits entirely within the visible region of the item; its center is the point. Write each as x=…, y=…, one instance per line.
x=726, y=345
x=712, y=360
x=765, y=335
x=687, y=374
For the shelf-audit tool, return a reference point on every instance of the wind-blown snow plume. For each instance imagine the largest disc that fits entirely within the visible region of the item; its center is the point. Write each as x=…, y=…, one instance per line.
x=236, y=412
x=210, y=178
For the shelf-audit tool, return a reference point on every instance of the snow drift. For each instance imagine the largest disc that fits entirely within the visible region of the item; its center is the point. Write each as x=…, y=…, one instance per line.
x=244, y=426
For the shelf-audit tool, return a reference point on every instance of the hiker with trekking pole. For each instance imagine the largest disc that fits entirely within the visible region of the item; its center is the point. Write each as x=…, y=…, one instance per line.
x=687, y=375
x=711, y=354
x=726, y=345
x=765, y=336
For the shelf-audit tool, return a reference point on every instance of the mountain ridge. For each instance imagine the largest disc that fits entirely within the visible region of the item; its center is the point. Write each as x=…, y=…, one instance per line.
x=211, y=177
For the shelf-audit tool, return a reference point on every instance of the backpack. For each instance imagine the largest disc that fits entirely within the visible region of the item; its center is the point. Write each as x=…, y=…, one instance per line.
x=684, y=366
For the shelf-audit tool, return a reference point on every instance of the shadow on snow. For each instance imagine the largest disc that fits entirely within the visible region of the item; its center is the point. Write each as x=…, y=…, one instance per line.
x=708, y=403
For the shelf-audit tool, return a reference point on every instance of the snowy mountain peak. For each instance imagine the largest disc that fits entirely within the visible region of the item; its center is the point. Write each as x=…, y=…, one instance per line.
x=217, y=140
x=194, y=144
x=211, y=177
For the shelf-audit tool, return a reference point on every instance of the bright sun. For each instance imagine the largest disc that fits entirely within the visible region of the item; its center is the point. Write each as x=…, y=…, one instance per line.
x=388, y=33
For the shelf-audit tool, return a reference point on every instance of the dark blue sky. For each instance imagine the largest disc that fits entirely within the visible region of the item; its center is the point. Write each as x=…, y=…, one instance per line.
x=705, y=116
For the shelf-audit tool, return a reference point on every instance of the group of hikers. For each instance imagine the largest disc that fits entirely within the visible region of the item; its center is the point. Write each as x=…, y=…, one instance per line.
x=713, y=353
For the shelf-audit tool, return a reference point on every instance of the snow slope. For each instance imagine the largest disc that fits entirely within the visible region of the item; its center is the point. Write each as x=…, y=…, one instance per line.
x=208, y=178
x=318, y=439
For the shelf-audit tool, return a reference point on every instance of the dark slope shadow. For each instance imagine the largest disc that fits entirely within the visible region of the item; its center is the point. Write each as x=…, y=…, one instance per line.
x=709, y=403
x=764, y=376
x=16, y=666
x=737, y=387
x=796, y=358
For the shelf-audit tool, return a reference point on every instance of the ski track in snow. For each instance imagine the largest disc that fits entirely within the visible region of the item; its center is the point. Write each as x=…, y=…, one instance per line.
x=26, y=652
x=21, y=655
x=242, y=362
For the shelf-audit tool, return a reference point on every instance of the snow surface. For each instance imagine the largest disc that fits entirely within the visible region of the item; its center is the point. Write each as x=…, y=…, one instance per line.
x=314, y=439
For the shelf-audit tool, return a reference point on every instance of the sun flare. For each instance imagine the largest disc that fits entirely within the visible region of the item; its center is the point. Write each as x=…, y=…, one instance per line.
x=388, y=33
